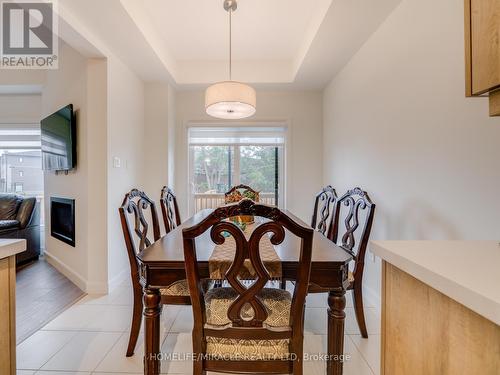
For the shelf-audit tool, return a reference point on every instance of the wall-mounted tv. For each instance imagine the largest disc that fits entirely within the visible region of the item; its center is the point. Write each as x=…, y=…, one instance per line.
x=59, y=140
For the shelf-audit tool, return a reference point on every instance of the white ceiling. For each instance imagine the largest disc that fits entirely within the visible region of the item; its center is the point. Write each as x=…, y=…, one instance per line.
x=276, y=43
x=262, y=29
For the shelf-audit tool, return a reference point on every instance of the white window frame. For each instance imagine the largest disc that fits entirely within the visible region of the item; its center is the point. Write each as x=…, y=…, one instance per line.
x=283, y=164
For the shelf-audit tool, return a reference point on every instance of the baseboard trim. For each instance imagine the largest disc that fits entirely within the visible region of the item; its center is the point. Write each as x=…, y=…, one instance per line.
x=75, y=277
x=118, y=279
x=97, y=288
x=67, y=271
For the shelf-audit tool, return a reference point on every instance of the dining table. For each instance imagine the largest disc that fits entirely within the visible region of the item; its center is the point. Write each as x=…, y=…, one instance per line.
x=162, y=264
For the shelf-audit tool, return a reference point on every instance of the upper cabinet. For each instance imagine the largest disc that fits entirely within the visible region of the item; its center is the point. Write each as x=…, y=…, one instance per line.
x=482, y=50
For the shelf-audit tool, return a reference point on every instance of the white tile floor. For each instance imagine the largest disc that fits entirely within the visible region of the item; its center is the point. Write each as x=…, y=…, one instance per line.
x=91, y=337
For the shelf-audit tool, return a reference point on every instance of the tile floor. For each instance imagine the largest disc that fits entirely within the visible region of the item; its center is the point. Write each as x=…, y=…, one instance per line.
x=91, y=338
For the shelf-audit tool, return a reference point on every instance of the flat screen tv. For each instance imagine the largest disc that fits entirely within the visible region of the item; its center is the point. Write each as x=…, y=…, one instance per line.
x=59, y=140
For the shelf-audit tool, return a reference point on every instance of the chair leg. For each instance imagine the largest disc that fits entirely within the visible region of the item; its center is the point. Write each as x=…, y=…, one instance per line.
x=136, y=321
x=298, y=363
x=283, y=284
x=357, y=298
x=198, y=368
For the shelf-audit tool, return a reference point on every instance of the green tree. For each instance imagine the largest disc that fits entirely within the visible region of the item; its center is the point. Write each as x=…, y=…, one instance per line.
x=211, y=167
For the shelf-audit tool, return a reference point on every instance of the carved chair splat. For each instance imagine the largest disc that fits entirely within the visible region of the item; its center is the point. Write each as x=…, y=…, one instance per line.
x=240, y=327
x=136, y=230
x=169, y=209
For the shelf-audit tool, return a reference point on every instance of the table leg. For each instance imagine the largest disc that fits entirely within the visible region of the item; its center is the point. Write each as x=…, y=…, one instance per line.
x=336, y=319
x=152, y=311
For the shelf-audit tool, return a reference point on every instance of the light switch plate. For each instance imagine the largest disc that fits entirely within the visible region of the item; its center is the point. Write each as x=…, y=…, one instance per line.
x=117, y=163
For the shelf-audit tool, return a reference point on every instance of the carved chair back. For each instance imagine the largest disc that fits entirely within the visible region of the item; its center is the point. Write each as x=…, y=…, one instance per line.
x=357, y=210
x=239, y=192
x=275, y=226
x=324, y=210
x=169, y=209
x=134, y=212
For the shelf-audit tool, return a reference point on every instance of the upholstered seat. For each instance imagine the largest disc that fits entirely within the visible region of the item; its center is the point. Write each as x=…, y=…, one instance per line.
x=350, y=277
x=6, y=224
x=20, y=218
x=179, y=288
x=278, y=304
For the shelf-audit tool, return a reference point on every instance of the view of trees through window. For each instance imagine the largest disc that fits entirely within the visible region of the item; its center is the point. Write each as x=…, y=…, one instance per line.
x=213, y=168
x=258, y=167
x=217, y=168
x=221, y=157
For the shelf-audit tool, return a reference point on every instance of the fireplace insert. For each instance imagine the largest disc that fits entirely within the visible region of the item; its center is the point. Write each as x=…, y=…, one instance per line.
x=62, y=219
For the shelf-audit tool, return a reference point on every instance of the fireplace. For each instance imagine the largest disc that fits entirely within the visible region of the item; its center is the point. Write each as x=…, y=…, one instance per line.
x=62, y=219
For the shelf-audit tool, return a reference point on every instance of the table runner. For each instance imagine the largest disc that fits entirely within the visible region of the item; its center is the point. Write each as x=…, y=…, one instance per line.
x=223, y=255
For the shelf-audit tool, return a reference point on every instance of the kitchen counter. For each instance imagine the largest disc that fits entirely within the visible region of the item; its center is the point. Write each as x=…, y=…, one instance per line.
x=440, y=307
x=466, y=271
x=10, y=247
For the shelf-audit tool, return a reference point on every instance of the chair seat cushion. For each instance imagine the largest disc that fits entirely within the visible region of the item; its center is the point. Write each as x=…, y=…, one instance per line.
x=247, y=350
x=278, y=303
x=350, y=277
x=8, y=224
x=179, y=288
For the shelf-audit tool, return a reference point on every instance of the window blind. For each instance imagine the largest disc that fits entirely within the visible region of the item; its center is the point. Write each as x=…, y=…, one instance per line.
x=20, y=136
x=236, y=135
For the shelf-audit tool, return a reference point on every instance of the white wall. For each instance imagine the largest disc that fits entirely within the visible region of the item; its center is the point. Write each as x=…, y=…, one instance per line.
x=159, y=140
x=397, y=123
x=303, y=112
x=125, y=137
x=156, y=105
x=20, y=108
x=77, y=81
x=109, y=100
x=97, y=101
x=171, y=134
x=14, y=80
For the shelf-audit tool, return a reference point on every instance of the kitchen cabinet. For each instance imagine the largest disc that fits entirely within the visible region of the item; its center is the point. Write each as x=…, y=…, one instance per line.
x=482, y=50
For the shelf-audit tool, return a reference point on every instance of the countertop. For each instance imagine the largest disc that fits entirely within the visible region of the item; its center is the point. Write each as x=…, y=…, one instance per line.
x=10, y=247
x=466, y=271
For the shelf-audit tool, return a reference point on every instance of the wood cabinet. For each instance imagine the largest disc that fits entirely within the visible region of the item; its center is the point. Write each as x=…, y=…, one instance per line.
x=482, y=50
x=7, y=314
x=426, y=332
x=8, y=250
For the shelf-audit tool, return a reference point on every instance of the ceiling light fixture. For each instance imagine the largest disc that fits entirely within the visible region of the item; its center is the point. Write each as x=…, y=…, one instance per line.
x=230, y=99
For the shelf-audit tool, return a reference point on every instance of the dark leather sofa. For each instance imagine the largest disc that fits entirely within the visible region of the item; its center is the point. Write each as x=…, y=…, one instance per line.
x=20, y=218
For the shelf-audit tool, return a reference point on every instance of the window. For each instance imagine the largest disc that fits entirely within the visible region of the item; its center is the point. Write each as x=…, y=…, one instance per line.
x=221, y=157
x=20, y=159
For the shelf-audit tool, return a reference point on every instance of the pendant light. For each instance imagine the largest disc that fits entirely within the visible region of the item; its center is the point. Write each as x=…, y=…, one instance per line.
x=230, y=99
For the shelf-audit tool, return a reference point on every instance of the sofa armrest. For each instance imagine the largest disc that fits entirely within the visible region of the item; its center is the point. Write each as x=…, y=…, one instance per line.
x=27, y=212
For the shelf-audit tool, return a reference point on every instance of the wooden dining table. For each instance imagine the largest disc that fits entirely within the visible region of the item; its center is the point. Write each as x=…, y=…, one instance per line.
x=162, y=264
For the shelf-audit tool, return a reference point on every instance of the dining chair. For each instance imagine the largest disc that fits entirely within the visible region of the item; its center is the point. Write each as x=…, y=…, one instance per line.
x=322, y=221
x=323, y=211
x=137, y=233
x=239, y=192
x=355, y=207
x=248, y=328
x=169, y=209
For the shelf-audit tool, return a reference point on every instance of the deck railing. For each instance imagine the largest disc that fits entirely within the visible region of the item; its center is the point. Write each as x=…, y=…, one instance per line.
x=214, y=200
